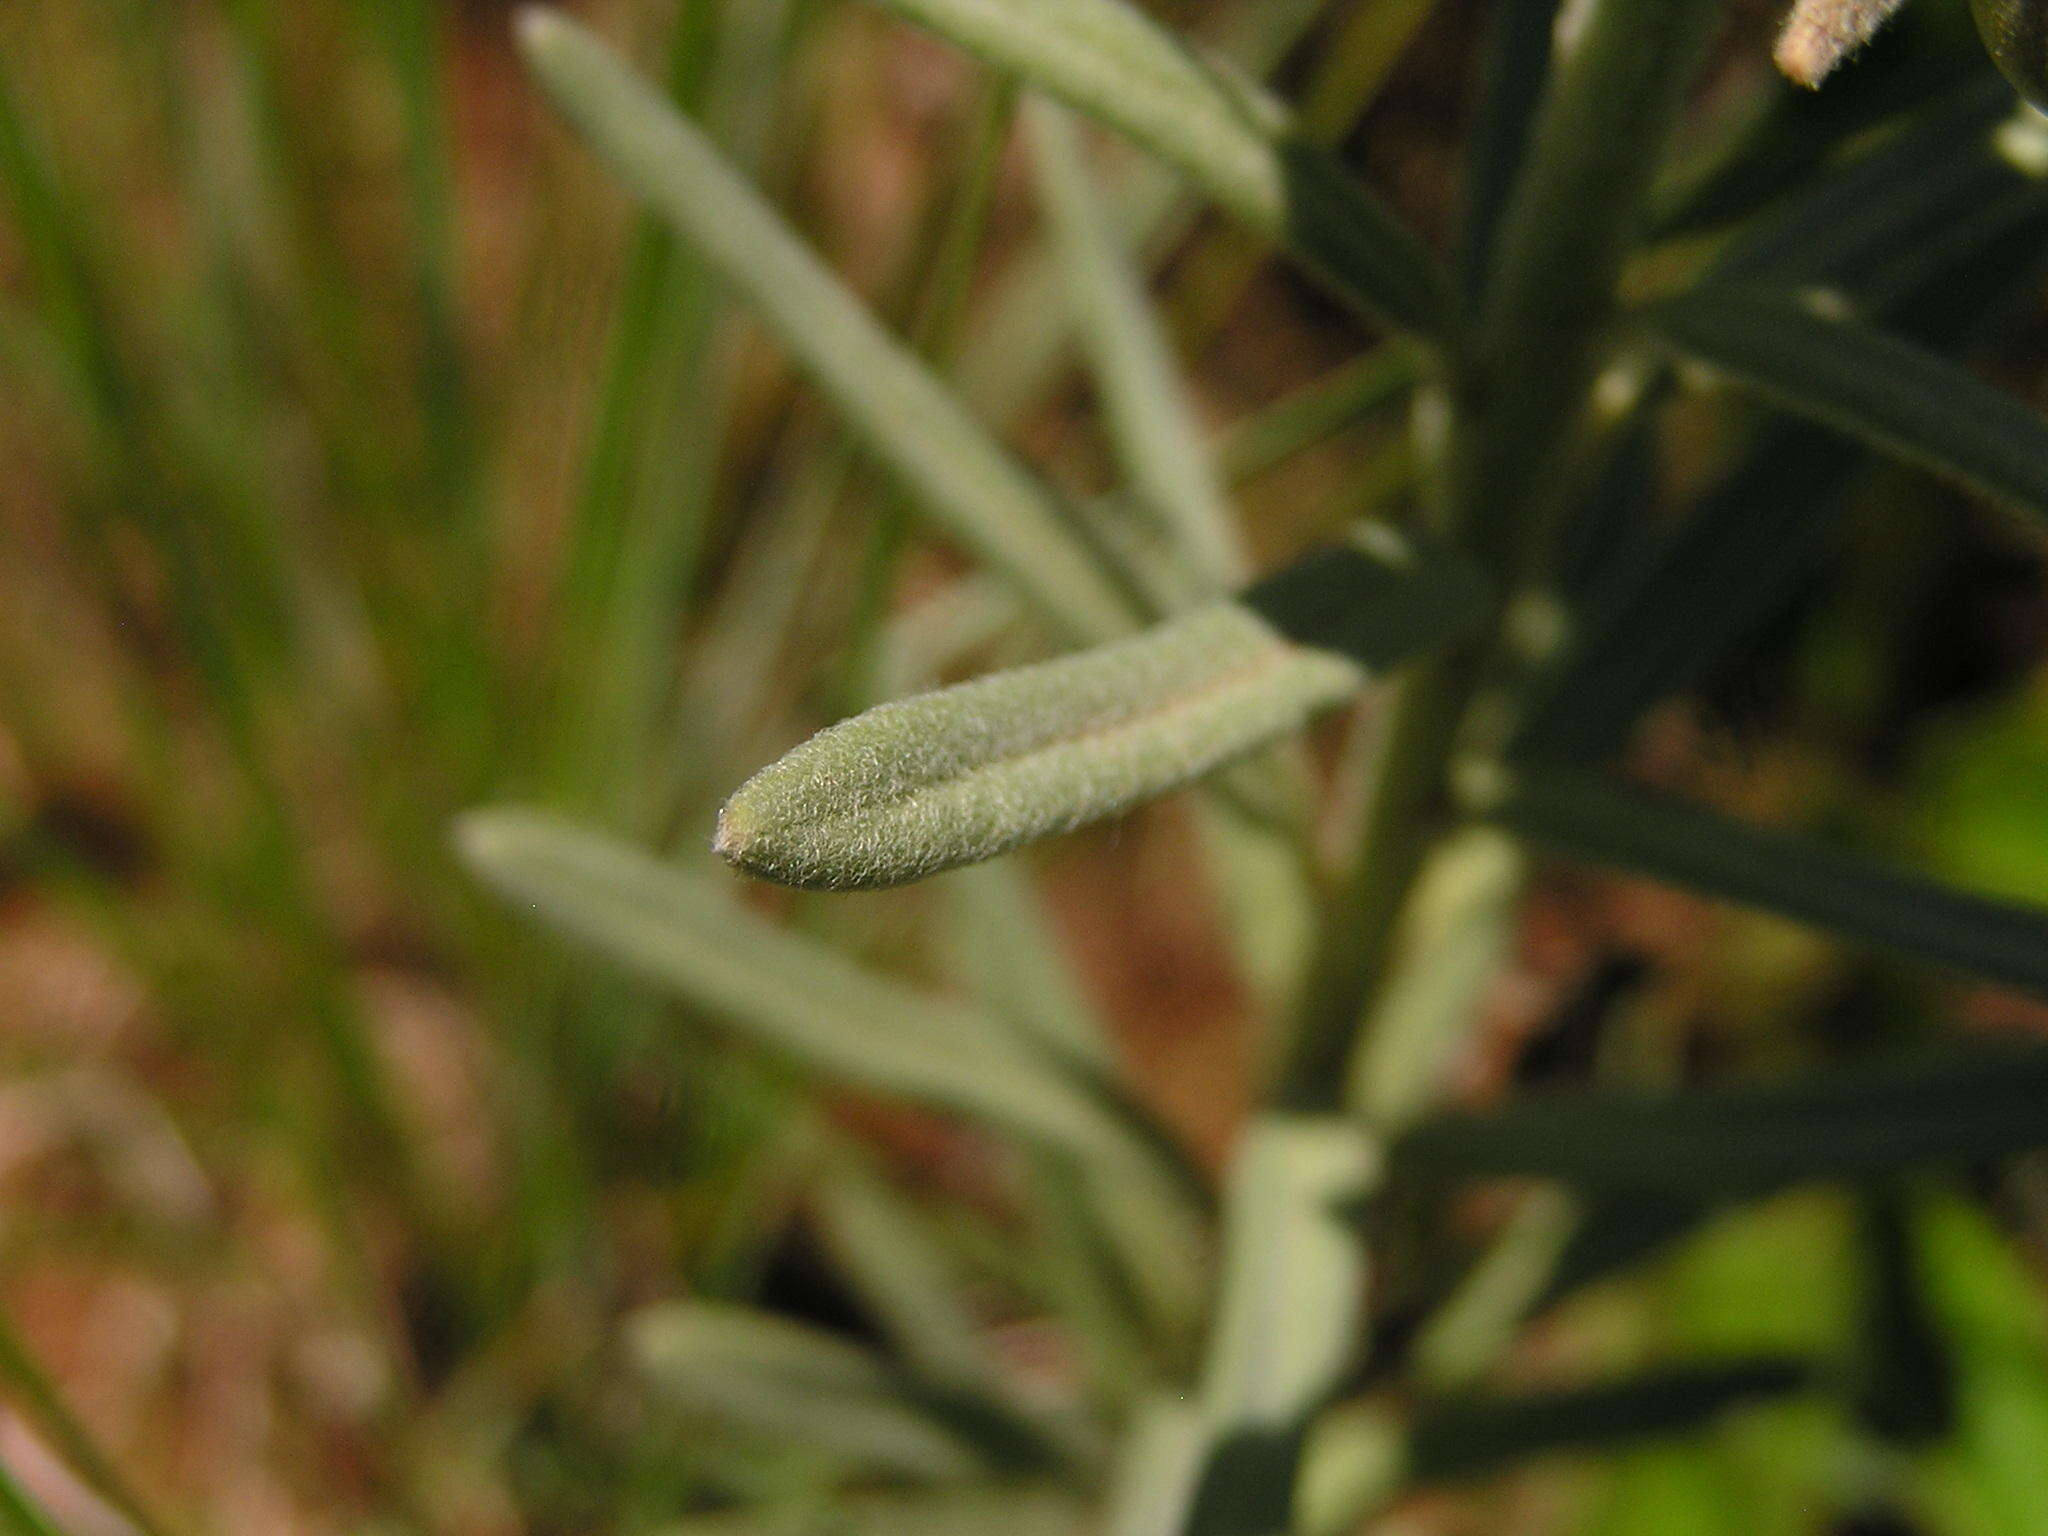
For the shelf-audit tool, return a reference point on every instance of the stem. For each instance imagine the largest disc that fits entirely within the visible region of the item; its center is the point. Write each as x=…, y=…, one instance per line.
x=1521, y=384
x=1406, y=811
x=1517, y=388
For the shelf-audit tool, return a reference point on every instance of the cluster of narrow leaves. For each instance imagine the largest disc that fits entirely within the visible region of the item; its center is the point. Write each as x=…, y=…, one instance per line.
x=1232, y=1408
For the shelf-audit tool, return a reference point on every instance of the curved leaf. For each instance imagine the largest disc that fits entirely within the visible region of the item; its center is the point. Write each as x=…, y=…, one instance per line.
x=801, y=998
x=1109, y=60
x=969, y=485
x=1150, y=419
x=767, y=1376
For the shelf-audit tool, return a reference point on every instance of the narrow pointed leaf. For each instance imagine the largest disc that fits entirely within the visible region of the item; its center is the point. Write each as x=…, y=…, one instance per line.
x=793, y=1385
x=948, y=778
x=798, y=997
x=1905, y=200
x=981, y=1508
x=1110, y=61
x=1656, y=626
x=1583, y=815
x=1959, y=1105
x=971, y=488
x=1871, y=386
x=1151, y=421
x=1661, y=623
x=911, y=1287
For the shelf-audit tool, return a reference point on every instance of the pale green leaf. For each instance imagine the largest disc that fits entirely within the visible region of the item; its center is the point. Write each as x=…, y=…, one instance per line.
x=983, y=1509
x=972, y=489
x=829, y=1014
x=924, y=784
x=1110, y=61
x=909, y=1284
x=1288, y=1314
x=792, y=1385
x=948, y=778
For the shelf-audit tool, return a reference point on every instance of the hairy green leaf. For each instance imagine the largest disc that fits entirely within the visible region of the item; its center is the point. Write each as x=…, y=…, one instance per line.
x=947, y=778
x=1589, y=817
x=972, y=489
x=1872, y=386
x=1109, y=60
x=1955, y=1106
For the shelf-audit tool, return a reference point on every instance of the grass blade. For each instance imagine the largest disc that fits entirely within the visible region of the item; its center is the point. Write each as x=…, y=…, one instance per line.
x=1874, y=387
x=1960, y=1105
x=920, y=785
x=36, y=1398
x=1111, y=62
x=1151, y=421
x=970, y=486
x=20, y=1515
x=1585, y=816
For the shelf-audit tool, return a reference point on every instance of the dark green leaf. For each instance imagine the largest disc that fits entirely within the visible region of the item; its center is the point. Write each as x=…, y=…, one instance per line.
x=1466, y=1438
x=1955, y=1106
x=1871, y=386
x=1586, y=816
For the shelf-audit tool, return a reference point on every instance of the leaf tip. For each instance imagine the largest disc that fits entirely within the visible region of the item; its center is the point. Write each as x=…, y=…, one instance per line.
x=734, y=832
x=537, y=28
x=759, y=839
x=488, y=842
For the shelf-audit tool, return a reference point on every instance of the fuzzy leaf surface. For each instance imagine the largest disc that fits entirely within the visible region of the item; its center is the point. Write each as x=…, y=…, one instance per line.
x=912, y=787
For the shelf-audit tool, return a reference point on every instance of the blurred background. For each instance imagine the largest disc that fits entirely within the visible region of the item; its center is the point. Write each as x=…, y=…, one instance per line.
x=364, y=458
